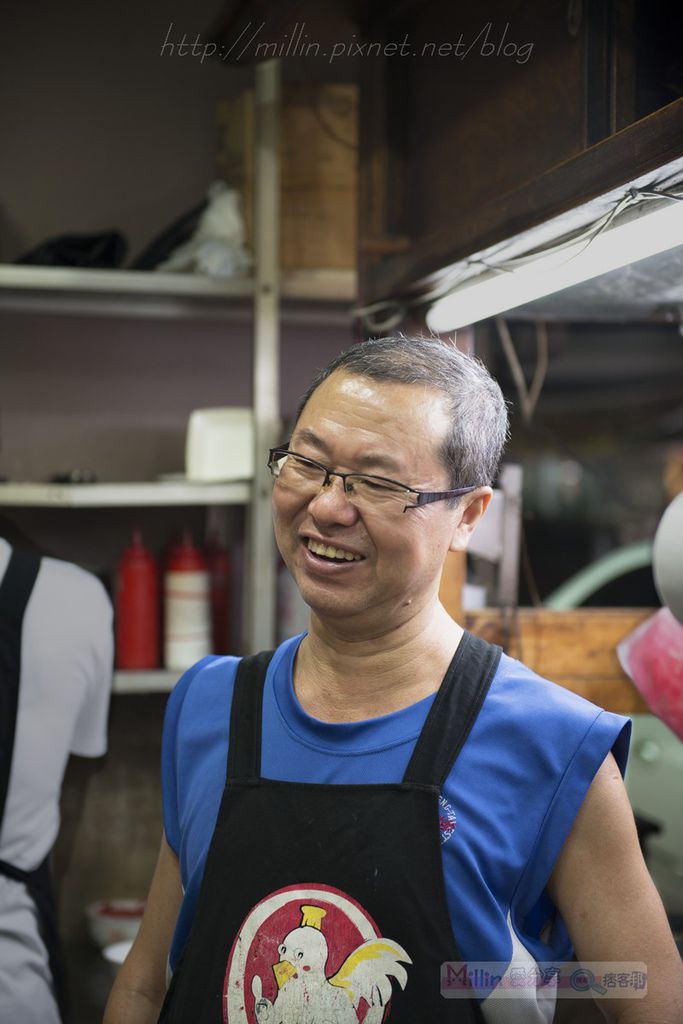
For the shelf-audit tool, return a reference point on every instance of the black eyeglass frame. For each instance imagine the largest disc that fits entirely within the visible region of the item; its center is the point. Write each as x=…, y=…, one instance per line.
x=423, y=497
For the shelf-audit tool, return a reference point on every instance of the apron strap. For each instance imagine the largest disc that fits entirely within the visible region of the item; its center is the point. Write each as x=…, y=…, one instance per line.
x=244, y=749
x=15, y=590
x=454, y=711
x=39, y=886
x=443, y=735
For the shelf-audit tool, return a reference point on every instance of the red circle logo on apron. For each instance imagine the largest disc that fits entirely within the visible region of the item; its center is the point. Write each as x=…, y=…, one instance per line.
x=311, y=953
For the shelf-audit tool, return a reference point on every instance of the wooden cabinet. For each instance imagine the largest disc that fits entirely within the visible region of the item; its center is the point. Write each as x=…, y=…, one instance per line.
x=479, y=123
x=476, y=137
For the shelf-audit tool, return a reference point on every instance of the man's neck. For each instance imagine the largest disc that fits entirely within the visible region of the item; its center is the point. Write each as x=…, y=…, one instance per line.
x=341, y=680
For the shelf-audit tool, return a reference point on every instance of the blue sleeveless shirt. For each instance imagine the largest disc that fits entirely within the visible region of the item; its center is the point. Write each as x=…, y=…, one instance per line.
x=506, y=807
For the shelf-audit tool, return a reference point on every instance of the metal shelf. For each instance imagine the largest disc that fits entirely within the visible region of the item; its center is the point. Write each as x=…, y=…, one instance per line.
x=24, y=277
x=153, y=681
x=305, y=295
x=82, y=292
x=124, y=494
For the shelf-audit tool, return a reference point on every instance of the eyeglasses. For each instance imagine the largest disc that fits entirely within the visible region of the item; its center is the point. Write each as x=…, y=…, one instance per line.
x=365, y=491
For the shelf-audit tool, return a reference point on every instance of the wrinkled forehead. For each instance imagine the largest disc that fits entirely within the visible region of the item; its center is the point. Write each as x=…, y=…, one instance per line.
x=405, y=424
x=381, y=401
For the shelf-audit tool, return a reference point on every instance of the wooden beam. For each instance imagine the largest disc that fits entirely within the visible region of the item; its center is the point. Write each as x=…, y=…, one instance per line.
x=638, y=149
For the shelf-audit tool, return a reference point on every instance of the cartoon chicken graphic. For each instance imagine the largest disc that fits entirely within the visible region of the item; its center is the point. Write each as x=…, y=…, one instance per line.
x=307, y=996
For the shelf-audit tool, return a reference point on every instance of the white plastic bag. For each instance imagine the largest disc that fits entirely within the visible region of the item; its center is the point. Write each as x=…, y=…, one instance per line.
x=217, y=247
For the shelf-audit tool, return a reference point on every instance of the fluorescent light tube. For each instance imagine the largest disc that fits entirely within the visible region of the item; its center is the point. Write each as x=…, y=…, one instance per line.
x=651, y=227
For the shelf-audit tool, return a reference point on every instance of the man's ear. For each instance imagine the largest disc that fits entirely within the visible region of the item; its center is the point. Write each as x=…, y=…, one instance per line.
x=467, y=515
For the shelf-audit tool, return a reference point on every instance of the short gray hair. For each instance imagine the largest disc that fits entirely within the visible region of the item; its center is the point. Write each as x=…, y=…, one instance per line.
x=473, y=447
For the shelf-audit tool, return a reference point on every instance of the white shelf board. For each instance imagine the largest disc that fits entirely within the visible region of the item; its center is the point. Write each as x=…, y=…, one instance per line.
x=74, y=291
x=124, y=494
x=154, y=681
x=119, y=282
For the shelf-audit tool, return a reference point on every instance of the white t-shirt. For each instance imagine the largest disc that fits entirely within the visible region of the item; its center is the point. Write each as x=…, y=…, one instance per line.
x=66, y=669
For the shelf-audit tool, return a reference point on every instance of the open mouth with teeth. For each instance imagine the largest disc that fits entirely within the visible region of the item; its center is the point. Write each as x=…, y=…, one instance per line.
x=330, y=554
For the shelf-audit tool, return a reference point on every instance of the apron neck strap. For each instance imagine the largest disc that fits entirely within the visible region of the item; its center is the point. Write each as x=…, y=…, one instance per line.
x=15, y=590
x=17, y=584
x=454, y=711
x=244, y=752
x=443, y=735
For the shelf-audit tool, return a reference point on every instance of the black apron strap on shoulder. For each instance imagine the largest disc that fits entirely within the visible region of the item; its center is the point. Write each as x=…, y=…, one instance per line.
x=454, y=711
x=39, y=885
x=244, y=750
x=15, y=590
x=17, y=584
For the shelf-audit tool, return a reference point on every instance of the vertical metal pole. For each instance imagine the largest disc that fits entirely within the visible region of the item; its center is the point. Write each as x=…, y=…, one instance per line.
x=510, y=483
x=260, y=617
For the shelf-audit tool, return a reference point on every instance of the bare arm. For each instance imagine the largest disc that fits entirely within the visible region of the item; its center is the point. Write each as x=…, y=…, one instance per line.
x=140, y=985
x=609, y=903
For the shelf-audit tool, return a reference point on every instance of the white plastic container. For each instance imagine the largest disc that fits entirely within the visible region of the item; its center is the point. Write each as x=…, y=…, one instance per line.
x=187, y=607
x=114, y=920
x=220, y=445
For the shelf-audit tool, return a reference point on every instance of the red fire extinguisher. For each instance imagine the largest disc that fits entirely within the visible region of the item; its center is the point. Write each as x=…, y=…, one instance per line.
x=218, y=560
x=137, y=608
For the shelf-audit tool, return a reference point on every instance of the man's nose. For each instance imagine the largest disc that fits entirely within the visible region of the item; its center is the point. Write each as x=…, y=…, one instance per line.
x=332, y=504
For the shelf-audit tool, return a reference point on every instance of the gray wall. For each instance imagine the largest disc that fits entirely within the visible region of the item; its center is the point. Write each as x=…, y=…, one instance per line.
x=114, y=395
x=99, y=130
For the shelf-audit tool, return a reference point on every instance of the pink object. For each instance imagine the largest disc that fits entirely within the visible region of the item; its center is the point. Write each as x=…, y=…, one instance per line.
x=652, y=656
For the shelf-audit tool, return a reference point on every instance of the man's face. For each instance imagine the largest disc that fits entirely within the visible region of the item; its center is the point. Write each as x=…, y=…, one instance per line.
x=356, y=424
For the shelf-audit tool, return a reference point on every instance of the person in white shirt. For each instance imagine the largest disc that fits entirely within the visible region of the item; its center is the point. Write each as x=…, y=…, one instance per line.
x=56, y=655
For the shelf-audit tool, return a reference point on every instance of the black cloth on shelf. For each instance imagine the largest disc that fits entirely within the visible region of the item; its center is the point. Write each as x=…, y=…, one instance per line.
x=106, y=250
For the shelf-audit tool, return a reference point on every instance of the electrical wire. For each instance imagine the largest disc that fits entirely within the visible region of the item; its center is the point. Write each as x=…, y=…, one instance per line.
x=528, y=397
x=513, y=363
x=376, y=326
x=586, y=236
x=527, y=569
x=464, y=270
x=312, y=80
x=541, y=365
x=316, y=107
x=661, y=193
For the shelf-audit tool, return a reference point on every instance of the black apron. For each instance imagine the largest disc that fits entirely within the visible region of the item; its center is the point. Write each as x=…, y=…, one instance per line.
x=15, y=590
x=315, y=897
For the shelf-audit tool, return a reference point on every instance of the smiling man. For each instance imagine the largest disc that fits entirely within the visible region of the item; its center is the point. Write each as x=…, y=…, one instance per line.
x=388, y=793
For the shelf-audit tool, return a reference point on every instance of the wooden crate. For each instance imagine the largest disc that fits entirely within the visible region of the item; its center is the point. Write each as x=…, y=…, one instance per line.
x=318, y=166
x=576, y=649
